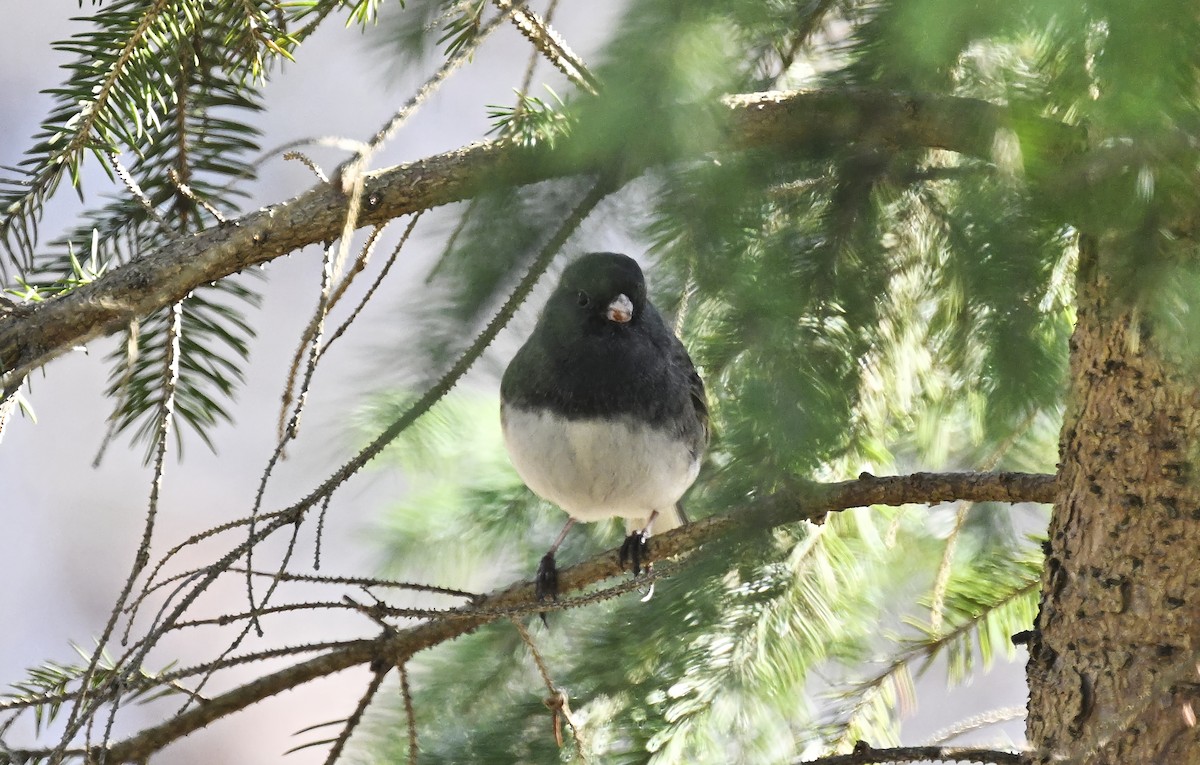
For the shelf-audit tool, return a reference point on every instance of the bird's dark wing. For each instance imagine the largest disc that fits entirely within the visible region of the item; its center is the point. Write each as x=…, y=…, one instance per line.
x=699, y=399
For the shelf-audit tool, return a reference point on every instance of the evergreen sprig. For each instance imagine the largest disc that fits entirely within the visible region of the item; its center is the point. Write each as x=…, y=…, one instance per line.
x=531, y=121
x=46, y=689
x=171, y=85
x=132, y=74
x=986, y=603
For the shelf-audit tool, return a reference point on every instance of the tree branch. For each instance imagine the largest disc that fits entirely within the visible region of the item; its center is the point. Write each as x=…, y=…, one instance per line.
x=867, y=755
x=782, y=120
x=800, y=502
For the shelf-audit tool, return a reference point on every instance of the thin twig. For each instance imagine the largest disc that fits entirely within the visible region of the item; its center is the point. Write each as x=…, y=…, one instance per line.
x=166, y=416
x=557, y=701
x=789, y=505
x=84, y=707
x=320, y=535
x=121, y=389
x=410, y=716
x=551, y=45
x=253, y=622
x=186, y=190
x=288, y=576
x=356, y=716
x=131, y=185
x=363, y=581
x=360, y=265
x=225, y=620
x=310, y=336
x=308, y=162
x=317, y=326
x=366, y=298
x=151, y=585
x=290, y=651
x=975, y=722
x=941, y=581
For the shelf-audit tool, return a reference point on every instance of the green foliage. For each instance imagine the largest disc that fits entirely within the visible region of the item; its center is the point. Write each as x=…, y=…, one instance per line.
x=987, y=602
x=462, y=26
x=408, y=38
x=364, y=12
x=137, y=65
x=729, y=658
x=214, y=344
x=425, y=25
x=503, y=232
x=662, y=54
x=464, y=500
x=784, y=304
x=531, y=121
x=196, y=134
x=79, y=275
x=46, y=689
x=170, y=89
x=850, y=307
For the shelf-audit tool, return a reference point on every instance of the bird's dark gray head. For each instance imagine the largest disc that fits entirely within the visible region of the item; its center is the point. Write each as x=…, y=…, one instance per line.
x=600, y=291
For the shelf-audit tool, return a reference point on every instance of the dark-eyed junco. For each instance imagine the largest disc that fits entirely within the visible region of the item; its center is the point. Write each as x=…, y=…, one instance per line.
x=602, y=410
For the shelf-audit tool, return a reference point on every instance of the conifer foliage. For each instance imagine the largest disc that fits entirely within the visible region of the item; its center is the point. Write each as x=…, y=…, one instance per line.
x=874, y=224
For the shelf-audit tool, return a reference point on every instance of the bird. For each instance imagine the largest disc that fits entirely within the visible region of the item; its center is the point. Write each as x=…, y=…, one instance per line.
x=602, y=410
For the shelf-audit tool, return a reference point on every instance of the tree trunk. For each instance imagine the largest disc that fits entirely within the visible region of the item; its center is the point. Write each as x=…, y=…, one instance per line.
x=1113, y=662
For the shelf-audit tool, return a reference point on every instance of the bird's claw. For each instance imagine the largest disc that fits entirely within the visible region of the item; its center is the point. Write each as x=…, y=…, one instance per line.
x=546, y=583
x=635, y=550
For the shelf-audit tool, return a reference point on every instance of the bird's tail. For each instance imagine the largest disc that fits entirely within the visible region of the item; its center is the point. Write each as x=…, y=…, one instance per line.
x=670, y=518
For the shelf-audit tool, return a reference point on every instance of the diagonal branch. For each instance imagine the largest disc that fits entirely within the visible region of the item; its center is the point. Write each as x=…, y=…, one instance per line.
x=867, y=755
x=788, y=121
x=551, y=45
x=797, y=503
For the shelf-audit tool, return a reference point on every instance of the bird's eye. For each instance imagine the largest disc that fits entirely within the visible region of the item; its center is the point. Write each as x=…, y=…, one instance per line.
x=582, y=298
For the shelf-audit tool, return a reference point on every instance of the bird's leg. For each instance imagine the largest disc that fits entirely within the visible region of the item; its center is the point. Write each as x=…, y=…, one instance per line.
x=562, y=535
x=635, y=549
x=546, y=583
x=683, y=517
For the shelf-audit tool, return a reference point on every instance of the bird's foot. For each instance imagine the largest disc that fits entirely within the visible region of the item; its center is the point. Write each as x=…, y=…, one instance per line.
x=635, y=550
x=546, y=583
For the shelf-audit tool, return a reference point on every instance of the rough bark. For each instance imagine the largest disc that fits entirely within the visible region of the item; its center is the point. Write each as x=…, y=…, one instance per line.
x=1113, y=662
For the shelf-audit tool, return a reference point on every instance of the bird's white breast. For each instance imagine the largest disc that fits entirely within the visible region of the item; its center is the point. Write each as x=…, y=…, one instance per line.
x=594, y=468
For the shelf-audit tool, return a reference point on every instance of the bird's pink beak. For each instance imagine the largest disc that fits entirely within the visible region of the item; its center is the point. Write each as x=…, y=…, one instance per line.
x=620, y=309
